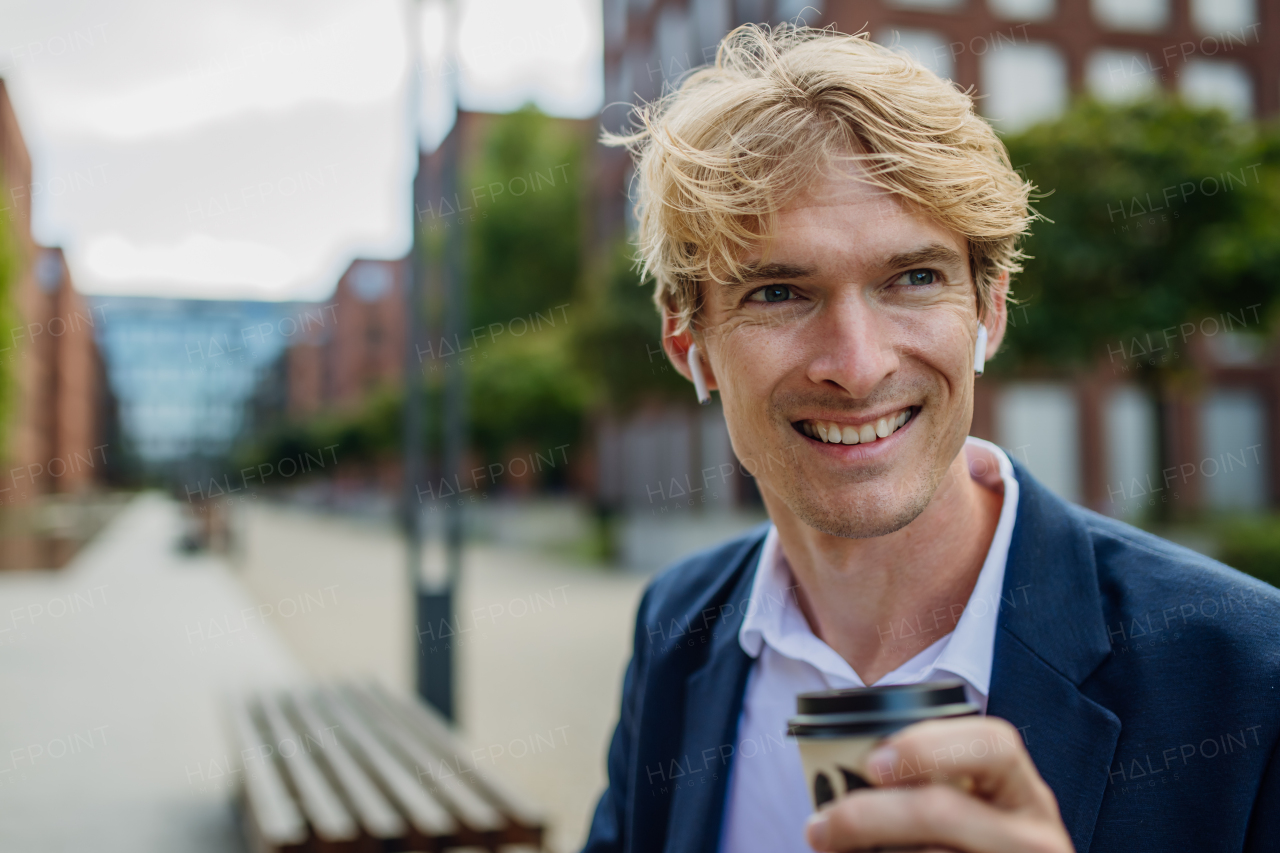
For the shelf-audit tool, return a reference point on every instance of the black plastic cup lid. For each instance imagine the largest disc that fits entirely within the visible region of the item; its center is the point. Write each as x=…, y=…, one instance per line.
x=877, y=710
x=896, y=697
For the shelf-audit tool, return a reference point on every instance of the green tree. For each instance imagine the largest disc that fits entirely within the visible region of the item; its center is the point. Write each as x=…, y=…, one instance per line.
x=524, y=251
x=1156, y=214
x=525, y=243
x=619, y=341
x=527, y=391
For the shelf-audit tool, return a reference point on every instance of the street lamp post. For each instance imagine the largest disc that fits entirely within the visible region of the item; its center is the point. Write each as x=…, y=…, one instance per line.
x=414, y=417
x=455, y=406
x=433, y=599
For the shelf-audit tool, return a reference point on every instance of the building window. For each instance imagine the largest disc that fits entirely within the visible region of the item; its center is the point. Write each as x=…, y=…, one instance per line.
x=1023, y=10
x=750, y=11
x=1233, y=426
x=628, y=79
x=614, y=13
x=930, y=5
x=650, y=85
x=1038, y=423
x=710, y=23
x=810, y=11
x=1238, y=349
x=927, y=47
x=675, y=56
x=48, y=271
x=1215, y=83
x=1132, y=15
x=613, y=88
x=1133, y=466
x=1120, y=75
x=371, y=281
x=1024, y=84
x=1225, y=16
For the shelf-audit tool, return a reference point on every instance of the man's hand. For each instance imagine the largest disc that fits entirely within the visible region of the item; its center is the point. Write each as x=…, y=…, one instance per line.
x=1008, y=808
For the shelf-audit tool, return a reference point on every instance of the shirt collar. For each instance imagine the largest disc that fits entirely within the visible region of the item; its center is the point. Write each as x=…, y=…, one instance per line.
x=774, y=617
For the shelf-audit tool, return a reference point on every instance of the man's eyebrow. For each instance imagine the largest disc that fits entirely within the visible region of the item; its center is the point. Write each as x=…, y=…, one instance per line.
x=931, y=254
x=934, y=253
x=753, y=273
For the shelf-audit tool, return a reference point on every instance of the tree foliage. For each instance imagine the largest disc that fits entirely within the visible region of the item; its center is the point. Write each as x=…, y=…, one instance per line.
x=1155, y=214
x=527, y=391
x=618, y=342
x=524, y=250
x=525, y=254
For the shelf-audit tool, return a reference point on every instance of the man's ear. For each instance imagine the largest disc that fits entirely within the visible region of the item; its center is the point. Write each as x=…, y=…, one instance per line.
x=677, y=346
x=996, y=320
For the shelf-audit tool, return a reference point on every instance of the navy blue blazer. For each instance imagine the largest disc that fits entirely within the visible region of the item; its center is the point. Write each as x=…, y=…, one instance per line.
x=1144, y=678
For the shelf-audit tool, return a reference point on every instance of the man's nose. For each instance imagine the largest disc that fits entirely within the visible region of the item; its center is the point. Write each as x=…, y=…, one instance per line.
x=853, y=347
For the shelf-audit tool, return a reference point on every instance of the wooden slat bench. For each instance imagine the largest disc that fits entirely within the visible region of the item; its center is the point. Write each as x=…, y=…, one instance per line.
x=351, y=768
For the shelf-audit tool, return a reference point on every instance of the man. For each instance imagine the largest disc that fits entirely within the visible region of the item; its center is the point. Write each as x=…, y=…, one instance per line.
x=832, y=231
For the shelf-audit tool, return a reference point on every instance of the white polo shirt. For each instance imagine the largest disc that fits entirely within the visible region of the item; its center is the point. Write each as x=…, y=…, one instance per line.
x=767, y=802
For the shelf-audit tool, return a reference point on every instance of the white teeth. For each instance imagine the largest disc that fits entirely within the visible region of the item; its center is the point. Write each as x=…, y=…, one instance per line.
x=834, y=433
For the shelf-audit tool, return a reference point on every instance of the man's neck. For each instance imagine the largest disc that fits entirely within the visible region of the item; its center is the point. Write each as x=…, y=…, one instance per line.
x=880, y=601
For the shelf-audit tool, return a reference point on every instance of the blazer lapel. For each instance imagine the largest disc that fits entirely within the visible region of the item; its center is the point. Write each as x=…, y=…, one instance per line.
x=712, y=704
x=1052, y=636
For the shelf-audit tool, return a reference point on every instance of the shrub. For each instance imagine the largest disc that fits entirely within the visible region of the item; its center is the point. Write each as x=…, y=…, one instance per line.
x=1252, y=545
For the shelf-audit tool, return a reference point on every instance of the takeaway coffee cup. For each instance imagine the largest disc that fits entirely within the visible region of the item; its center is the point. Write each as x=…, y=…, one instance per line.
x=838, y=729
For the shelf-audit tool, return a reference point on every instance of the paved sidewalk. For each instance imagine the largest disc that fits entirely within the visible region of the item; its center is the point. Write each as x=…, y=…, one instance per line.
x=111, y=676
x=112, y=671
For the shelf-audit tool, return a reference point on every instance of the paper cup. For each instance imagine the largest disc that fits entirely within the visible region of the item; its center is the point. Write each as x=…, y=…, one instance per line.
x=838, y=729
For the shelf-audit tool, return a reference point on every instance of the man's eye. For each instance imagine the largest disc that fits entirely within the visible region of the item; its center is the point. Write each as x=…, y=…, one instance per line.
x=917, y=277
x=772, y=293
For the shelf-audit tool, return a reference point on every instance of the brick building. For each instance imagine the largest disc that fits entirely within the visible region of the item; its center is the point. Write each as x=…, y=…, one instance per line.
x=47, y=348
x=1091, y=438
x=356, y=346
x=1024, y=58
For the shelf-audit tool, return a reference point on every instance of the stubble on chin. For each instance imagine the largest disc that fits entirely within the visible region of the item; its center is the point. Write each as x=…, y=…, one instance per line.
x=875, y=512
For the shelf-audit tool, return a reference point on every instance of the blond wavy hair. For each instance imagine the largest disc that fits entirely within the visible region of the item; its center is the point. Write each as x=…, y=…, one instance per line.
x=719, y=156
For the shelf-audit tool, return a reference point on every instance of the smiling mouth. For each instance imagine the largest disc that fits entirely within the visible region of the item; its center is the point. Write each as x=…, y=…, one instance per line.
x=839, y=432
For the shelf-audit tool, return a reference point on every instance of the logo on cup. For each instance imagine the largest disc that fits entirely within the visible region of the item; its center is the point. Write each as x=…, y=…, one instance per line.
x=823, y=792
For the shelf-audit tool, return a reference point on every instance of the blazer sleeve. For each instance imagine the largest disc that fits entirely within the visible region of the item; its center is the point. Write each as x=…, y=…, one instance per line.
x=609, y=826
x=1264, y=823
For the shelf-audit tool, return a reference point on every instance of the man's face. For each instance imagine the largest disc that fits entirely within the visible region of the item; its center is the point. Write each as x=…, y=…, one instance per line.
x=862, y=323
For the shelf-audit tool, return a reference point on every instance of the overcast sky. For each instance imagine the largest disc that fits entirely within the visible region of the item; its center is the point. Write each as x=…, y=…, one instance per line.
x=248, y=149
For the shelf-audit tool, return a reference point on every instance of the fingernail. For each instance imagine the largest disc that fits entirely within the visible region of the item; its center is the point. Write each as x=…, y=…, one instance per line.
x=818, y=831
x=880, y=763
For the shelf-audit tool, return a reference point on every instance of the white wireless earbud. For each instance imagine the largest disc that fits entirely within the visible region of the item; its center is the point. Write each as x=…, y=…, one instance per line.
x=699, y=381
x=980, y=351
